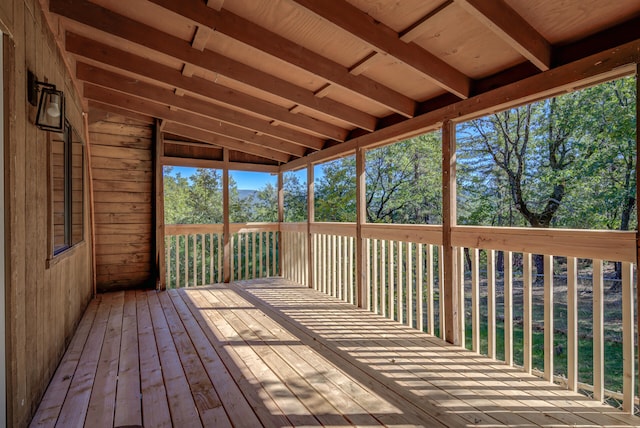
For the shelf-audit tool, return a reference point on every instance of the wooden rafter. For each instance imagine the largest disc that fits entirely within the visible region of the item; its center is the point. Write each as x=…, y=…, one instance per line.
x=161, y=111
x=264, y=40
x=408, y=35
x=220, y=141
x=512, y=28
x=164, y=75
x=135, y=87
x=158, y=41
x=384, y=39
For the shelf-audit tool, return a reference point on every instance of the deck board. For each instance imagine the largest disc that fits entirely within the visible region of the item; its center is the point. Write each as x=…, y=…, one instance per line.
x=271, y=353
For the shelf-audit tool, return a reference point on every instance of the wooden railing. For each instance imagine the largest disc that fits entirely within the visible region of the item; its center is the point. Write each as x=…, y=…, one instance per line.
x=563, y=253
x=403, y=281
x=295, y=266
x=195, y=253
x=404, y=274
x=334, y=258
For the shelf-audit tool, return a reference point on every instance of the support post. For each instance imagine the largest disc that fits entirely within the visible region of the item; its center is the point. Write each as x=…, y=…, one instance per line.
x=311, y=217
x=280, y=221
x=448, y=221
x=226, y=259
x=638, y=206
x=158, y=149
x=362, y=279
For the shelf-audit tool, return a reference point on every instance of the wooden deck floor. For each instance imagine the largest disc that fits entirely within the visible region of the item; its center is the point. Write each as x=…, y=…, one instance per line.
x=269, y=353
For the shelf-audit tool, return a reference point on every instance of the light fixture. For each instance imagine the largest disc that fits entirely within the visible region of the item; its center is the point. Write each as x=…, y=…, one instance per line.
x=50, y=116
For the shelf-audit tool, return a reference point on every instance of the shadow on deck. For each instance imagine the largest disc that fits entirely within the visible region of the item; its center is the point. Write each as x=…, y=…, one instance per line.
x=271, y=353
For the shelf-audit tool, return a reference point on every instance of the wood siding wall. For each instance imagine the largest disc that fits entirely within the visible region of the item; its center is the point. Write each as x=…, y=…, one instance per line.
x=45, y=296
x=121, y=162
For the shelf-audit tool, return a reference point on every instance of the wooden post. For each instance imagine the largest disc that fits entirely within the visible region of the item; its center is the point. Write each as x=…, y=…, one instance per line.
x=92, y=205
x=362, y=270
x=448, y=221
x=226, y=258
x=280, y=221
x=158, y=153
x=311, y=217
x=637, y=204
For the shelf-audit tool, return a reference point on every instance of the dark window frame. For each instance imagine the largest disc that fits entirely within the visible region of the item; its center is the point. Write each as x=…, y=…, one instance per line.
x=55, y=247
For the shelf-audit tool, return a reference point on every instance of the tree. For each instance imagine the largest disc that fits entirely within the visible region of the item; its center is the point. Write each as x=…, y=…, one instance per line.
x=403, y=182
x=295, y=199
x=336, y=191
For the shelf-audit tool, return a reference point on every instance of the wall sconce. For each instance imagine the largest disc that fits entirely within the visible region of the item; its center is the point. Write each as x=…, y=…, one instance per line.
x=50, y=116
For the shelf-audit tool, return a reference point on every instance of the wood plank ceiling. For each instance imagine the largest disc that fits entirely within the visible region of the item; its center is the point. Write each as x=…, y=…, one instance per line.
x=275, y=80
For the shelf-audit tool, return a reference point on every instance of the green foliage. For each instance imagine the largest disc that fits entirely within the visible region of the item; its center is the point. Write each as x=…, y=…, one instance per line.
x=564, y=162
x=295, y=198
x=404, y=182
x=335, y=192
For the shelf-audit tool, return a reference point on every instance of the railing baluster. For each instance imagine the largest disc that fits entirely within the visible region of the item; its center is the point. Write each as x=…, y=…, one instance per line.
x=202, y=258
x=211, y=280
x=475, y=300
x=399, y=286
x=374, y=275
x=194, y=256
x=461, y=305
x=572, y=324
x=352, y=263
x=527, y=311
x=274, y=254
x=491, y=304
x=419, y=288
x=383, y=278
x=548, y=318
x=409, y=286
x=178, y=261
x=345, y=267
x=431, y=316
x=186, y=260
x=246, y=258
x=335, y=261
x=325, y=266
x=598, y=332
x=168, y=240
x=340, y=260
x=231, y=258
x=220, y=257
x=391, y=273
x=628, y=336
x=254, y=259
x=508, y=307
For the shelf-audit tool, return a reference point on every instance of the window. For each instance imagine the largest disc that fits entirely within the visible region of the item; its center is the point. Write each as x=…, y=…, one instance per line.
x=67, y=189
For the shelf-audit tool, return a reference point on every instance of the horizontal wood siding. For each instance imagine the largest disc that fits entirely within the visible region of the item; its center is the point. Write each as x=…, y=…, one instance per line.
x=45, y=297
x=121, y=163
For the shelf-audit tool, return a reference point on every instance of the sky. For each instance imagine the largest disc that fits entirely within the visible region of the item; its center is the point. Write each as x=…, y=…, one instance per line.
x=244, y=180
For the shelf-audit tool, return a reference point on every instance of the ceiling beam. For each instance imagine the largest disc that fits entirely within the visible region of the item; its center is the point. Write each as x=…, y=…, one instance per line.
x=277, y=46
x=117, y=25
x=383, y=39
x=498, y=16
x=99, y=52
x=212, y=139
x=161, y=111
x=408, y=35
x=609, y=64
x=204, y=138
x=135, y=87
x=109, y=111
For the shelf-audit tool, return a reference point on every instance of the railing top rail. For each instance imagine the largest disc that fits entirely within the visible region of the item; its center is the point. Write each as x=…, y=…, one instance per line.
x=609, y=245
x=418, y=233
x=334, y=228
x=192, y=229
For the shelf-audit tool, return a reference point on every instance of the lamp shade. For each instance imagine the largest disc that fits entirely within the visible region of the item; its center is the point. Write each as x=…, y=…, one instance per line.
x=50, y=115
